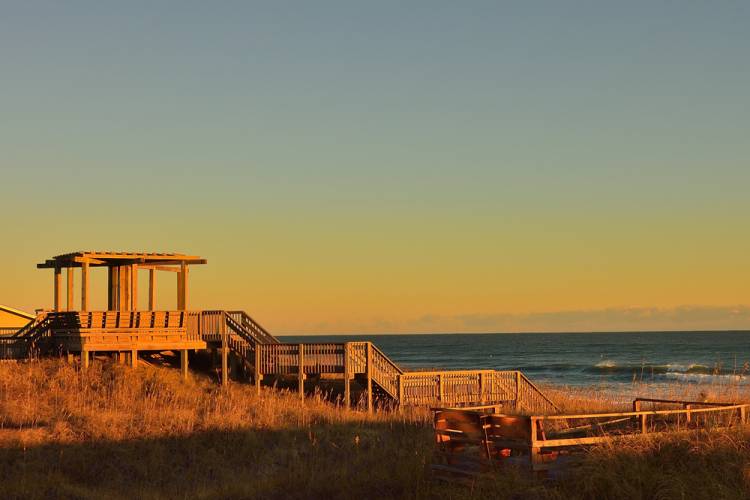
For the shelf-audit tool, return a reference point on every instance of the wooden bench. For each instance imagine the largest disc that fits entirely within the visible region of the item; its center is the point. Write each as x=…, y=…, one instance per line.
x=473, y=443
x=463, y=450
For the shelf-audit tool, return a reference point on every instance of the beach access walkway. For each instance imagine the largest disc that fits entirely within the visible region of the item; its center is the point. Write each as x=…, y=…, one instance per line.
x=237, y=341
x=245, y=346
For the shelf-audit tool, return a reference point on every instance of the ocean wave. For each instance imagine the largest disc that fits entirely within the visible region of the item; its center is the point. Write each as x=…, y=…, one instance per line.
x=671, y=370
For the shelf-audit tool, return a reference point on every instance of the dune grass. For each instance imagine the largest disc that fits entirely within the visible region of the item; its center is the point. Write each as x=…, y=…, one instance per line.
x=113, y=432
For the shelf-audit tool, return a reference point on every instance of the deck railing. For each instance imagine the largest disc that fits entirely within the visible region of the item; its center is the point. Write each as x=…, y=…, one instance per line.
x=446, y=388
x=6, y=331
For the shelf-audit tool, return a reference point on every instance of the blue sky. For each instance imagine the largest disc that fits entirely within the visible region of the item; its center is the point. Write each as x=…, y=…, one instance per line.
x=571, y=151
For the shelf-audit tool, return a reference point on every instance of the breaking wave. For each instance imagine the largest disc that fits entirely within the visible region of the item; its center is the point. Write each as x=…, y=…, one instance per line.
x=675, y=371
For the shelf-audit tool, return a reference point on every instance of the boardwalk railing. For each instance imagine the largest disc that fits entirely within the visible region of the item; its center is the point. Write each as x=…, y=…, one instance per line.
x=446, y=388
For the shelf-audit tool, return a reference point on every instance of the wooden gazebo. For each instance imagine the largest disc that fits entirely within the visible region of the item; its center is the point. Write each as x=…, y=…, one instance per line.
x=122, y=283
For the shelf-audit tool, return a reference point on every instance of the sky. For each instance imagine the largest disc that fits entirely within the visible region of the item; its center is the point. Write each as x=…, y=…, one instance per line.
x=389, y=167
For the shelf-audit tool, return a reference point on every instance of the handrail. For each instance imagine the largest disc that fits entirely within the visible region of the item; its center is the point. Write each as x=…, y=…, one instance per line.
x=535, y=392
x=680, y=402
x=238, y=330
x=715, y=409
x=249, y=323
x=395, y=367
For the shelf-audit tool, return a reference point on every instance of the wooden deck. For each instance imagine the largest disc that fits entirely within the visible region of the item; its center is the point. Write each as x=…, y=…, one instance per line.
x=235, y=332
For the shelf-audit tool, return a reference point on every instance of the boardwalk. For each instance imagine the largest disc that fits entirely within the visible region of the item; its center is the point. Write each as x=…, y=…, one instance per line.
x=240, y=343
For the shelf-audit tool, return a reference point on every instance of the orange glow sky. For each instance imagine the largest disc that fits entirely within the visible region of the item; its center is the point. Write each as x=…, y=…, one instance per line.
x=394, y=170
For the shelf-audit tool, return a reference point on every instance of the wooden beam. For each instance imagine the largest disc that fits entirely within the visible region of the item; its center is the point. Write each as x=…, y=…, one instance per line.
x=81, y=260
x=85, y=286
x=124, y=288
x=58, y=288
x=69, y=283
x=171, y=269
x=151, y=289
x=113, y=302
x=134, y=358
x=134, y=287
x=182, y=278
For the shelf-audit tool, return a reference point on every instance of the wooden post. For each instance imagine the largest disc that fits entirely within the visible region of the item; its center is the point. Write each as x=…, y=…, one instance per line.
x=400, y=391
x=642, y=419
x=134, y=287
x=70, y=288
x=224, y=361
x=301, y=371
x=518, y=389
x=58, y=288
x=151, y=289
x=535, y=451
x=85, y=286
x=134, y=358
x=688, y=407
x=347, y=382
x=368, y=373
x=257, y=376
x=481, y=387
x=184, y=363
x=84, y=359
x=182, y=276
x=113, y=282
x=441, y=389
x=637, y=407
x=124, y=288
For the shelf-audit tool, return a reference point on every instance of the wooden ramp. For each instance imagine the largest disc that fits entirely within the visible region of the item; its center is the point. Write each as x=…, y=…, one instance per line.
x=235, y=335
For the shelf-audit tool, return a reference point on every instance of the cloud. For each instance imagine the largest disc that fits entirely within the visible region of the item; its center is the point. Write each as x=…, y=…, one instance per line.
x=594, y=320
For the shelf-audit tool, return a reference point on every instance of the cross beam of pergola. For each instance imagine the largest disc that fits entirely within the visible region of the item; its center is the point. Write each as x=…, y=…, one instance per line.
x=122, y=283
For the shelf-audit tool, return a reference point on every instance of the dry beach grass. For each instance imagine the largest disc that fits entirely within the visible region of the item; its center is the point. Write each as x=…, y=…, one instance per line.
x=117, y=433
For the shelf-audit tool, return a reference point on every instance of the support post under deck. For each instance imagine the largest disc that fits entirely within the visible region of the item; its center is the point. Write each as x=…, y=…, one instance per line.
x=224, y=361
x=84, y=359
x=134, y=358
x=257, y=375
x=184, y=363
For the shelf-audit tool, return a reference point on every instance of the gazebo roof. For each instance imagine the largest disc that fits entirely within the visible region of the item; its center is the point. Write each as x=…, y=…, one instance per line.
x=100, y=258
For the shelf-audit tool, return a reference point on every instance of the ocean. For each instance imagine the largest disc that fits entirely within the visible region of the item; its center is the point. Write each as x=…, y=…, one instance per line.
x=605, y=360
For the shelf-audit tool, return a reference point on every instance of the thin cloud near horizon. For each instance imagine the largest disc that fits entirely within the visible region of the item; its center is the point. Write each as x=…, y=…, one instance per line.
x=681, y=318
